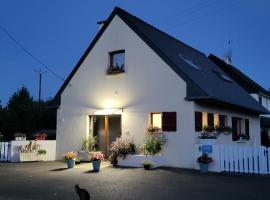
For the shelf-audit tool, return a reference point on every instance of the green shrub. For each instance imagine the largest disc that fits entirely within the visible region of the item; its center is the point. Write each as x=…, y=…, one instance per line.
x=153, y=143
x=89, y=143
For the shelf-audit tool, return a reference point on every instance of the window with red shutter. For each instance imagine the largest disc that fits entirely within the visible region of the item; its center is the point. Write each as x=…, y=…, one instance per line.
x=247, y=128
x=210, y=119
x=198, y=121
x=169, y=121
x=234, y=129
x=222, y=120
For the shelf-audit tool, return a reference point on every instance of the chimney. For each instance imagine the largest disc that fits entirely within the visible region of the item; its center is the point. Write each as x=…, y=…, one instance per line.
x=101, y=23
x=228, y=55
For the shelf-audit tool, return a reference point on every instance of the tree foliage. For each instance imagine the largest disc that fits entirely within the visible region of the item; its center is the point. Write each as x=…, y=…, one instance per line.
x=25, y=115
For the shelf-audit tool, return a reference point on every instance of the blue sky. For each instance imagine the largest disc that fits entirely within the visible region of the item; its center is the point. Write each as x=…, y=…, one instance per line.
x=58, y=33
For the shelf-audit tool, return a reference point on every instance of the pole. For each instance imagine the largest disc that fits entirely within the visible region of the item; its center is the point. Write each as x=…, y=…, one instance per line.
x=40, y=72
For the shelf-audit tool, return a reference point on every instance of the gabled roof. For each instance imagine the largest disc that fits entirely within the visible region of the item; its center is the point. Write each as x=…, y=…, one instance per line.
x=243, y=80
x=204, y=83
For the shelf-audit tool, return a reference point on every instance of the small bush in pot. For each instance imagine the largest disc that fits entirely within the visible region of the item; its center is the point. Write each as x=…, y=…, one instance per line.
x=70, y=158
x=96, y=160
x=204, y=160
x=147, y=164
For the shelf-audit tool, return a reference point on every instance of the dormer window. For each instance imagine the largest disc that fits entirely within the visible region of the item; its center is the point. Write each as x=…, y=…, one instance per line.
x=117, y=62
x=190, y=62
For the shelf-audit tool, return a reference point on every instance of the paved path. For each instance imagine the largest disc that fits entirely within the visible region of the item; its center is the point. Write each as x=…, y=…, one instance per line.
x=51, y=181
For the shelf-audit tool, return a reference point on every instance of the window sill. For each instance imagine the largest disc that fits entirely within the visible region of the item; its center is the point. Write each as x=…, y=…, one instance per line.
x=115, y=74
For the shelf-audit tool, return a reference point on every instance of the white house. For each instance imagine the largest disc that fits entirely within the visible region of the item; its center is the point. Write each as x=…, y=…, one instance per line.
x=133, y=75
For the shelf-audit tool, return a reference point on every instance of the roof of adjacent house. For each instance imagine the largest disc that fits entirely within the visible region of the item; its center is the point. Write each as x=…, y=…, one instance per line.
x=242, y=79
x=206, y=82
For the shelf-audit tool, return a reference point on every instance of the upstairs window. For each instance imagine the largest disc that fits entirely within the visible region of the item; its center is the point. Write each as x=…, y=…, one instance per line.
x=117, y=62
x=165, y=121
x=260, y=100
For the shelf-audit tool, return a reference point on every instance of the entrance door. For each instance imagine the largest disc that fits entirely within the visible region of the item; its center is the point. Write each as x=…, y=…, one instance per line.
x=106, y=128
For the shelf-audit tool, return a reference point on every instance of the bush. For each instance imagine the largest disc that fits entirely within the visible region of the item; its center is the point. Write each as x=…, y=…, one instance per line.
x=121, y=147
x=153, y=143
x=89, y=143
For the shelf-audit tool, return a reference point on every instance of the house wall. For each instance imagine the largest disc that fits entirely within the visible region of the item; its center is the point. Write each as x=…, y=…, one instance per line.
x=265, y=101
x=254, y=125
x=149, y=85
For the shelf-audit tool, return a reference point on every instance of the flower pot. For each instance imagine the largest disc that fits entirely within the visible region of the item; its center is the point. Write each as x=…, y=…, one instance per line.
x=70, y=163
x=204, y=167
x=96, y=165
x=147, y=167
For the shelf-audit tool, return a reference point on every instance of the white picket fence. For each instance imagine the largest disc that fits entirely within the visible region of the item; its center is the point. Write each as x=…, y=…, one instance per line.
x=245, y=159
x=4, y=151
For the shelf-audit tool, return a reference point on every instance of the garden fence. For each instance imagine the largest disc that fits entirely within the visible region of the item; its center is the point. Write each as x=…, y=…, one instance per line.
x=4, y=151
x=245, y=159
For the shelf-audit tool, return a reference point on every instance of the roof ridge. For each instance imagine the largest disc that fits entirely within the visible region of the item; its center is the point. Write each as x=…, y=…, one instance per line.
x=122, y=10
x=265, y=92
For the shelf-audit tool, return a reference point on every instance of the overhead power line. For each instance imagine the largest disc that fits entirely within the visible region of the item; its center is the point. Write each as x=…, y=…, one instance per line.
x=189, y=11
x=29, y=53
x=217, y=11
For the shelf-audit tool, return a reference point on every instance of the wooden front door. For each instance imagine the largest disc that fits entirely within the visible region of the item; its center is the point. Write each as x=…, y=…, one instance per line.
x=106, y=129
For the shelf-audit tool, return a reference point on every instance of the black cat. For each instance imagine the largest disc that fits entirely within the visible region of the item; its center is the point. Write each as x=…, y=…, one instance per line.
x=82, y=193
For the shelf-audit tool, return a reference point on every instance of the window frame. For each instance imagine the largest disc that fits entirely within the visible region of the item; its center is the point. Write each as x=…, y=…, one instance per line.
x=111, y=60
x=164, y=128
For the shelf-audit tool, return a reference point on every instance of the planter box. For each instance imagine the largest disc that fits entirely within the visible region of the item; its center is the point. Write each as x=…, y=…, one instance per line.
x=86, y=156
x=27, y=157
x=20, y=138
x=41, y=157
x=137, y=160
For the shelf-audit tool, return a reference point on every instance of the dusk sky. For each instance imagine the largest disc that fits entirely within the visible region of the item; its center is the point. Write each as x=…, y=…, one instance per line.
x=58, y=33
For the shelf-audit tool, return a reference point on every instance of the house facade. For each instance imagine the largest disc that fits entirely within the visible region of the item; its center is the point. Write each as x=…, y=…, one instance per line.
x=134, y=76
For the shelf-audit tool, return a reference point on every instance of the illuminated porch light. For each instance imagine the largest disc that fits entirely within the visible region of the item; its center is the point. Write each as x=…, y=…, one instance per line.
x=109, y=111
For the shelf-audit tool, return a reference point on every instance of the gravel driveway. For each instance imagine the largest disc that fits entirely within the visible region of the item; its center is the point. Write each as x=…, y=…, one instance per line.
x=51, y=180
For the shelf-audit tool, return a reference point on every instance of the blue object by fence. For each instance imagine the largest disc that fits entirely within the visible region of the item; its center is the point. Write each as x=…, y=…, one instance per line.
x=207, y=149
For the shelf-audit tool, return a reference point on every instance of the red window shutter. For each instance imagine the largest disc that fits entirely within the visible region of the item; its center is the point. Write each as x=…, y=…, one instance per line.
x=198, y=121
x=247, y=127
x=210, y=119
x=234, y=129
x=169, y=121
x=222, y=120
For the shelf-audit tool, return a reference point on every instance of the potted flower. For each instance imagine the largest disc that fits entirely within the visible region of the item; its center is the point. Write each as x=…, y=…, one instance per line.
x=41, y=154
x=88, y=148
x=147, y=164
x=70, y=158
x=20, y=136
x=204, y=160
x=96, y=160
x=41, y=136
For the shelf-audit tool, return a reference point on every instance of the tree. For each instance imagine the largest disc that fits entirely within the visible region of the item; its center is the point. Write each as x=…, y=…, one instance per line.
x=23, y=114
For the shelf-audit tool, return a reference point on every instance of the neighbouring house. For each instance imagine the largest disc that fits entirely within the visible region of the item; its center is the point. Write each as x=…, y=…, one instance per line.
x=133, y=75
x=253, y=88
